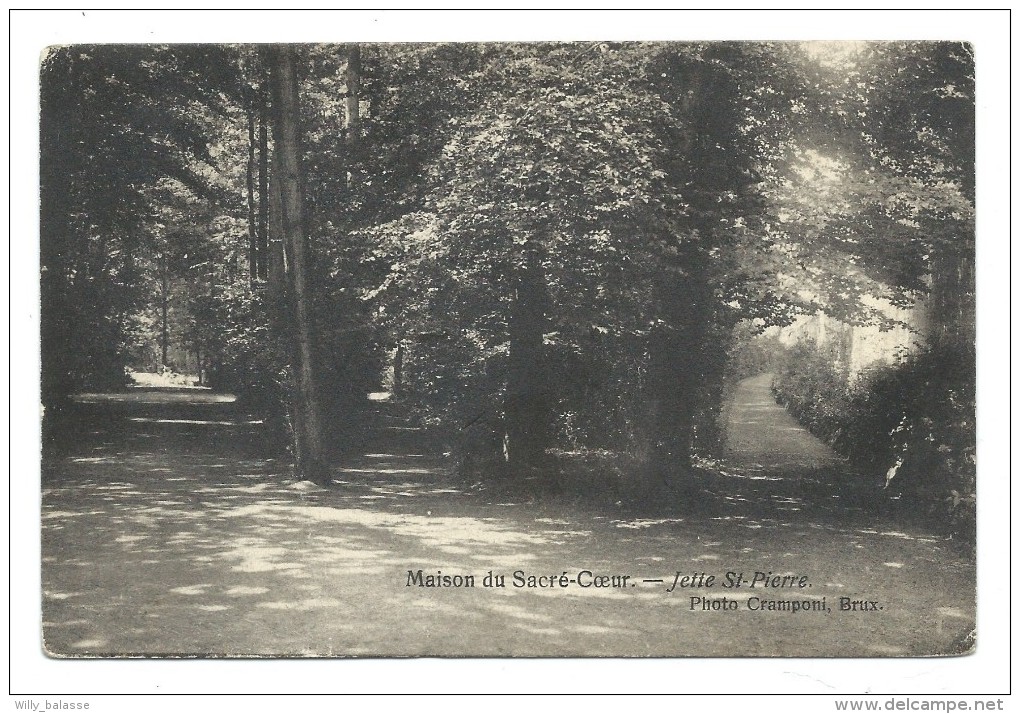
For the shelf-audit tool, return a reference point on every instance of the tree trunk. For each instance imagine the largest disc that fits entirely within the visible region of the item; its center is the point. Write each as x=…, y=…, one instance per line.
x=262, y=248
x=253, y=243
x=277, y=258
x=398, y=370
x=679, y=358
x=290, y=181
x=352, y=102
x=56, y=237
x=677, y=370
x=951, y=297
x=164, y=308
x=528, y=403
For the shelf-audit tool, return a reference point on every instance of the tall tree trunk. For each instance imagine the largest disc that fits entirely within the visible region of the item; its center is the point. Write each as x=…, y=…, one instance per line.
x=253, y=242
x=353, y=100
x=277, y=258
x=164, y=309
x=398, y=370
x=290, y=180
x=677, y=366
x=57, y=237
x=680, y=360
x=262, y=247
x=951, y=297
x=528, y=403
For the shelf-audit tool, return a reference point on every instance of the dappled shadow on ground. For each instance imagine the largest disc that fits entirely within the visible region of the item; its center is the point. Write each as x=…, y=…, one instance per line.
x=194, y=554
x=154, y=420
x=184, y=544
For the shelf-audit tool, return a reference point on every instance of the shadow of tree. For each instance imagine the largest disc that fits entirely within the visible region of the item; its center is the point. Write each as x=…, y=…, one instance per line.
x=192, y=546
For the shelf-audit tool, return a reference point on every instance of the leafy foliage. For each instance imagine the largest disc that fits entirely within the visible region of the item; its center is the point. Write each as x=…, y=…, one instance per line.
x=585, y=162
x=583, y=223
x=117, y=124
x=912, y=421
x=879, y=197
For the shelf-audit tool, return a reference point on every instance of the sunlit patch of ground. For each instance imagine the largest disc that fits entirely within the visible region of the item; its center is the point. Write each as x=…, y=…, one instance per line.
x=143, y=396
x=169, y=549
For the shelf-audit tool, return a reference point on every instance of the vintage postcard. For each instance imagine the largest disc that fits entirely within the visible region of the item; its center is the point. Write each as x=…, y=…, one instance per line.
x=508, y=349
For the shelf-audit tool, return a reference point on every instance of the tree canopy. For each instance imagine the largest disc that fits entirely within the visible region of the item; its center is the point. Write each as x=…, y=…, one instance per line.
x=557, y=239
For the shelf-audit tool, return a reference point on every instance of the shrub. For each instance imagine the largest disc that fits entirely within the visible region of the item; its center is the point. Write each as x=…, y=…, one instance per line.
x=914, y=421
x=751, y=354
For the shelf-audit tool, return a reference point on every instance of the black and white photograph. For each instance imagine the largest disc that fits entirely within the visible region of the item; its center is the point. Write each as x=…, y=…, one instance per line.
x=508, y=349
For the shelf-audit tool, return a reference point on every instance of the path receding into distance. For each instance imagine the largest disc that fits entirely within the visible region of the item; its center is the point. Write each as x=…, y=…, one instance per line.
x=175, y=536
x=761, y=432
